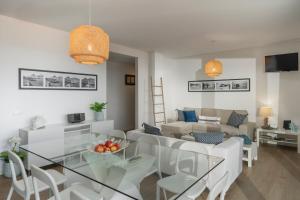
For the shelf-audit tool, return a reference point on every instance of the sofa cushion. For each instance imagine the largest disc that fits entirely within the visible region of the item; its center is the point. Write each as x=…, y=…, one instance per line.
x=151, y=129
x=211, y=112
x=208, y=120
x=230, y=130
x=180, y=115
x=176, y=129
x=224, y=115
x=199, y=127
x=209, y=138
x=190, y=116
x=197, y=110
x=236, y=119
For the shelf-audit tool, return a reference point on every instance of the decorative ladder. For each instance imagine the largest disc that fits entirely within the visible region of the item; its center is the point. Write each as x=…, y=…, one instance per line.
x=158, y=101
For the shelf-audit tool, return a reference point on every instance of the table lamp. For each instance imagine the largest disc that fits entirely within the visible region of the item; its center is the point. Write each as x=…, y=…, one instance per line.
x=266, y=112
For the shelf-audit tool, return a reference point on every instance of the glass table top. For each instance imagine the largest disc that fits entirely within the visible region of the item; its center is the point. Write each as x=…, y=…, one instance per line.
x=123, y=171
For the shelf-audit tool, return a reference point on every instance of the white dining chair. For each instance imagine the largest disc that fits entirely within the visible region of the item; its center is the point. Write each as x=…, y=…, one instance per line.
x=116, y=133
x=24, y=186
x=81, y=192
x=153, y=144
x=187, y=171
x=218, y=189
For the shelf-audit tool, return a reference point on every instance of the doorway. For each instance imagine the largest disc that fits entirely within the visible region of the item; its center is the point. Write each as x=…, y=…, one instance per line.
x=121, y=80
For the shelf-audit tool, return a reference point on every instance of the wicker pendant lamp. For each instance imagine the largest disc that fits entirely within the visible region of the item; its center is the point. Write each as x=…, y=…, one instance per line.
x=89, y=44
x=213, y=68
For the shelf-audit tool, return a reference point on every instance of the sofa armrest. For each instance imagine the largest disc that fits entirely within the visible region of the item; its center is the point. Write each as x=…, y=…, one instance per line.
x=232, y=152
x=248, y=129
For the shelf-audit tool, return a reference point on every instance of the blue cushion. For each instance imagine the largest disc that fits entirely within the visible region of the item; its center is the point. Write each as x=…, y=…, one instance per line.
x=209, y=138
x=190, y=116
x=247, y=140
x=180, y=115
x=236, y=119
x=151, y=129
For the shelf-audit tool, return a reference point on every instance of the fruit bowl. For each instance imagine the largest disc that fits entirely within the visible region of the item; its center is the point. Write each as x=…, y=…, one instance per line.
x=110, y=146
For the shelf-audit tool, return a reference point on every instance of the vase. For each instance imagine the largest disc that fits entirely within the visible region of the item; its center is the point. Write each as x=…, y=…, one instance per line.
x=7, y=171
x=99, y=116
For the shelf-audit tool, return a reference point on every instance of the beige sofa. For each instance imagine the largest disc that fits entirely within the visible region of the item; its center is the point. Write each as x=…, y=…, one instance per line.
x=180, y=128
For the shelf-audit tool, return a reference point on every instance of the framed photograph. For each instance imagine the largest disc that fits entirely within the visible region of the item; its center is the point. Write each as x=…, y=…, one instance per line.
x=35, y=79
x=221, y=85
x=129, y=79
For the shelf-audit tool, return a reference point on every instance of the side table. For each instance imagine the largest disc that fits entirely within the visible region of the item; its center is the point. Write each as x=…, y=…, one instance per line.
x=250, y=153
x=278, y=137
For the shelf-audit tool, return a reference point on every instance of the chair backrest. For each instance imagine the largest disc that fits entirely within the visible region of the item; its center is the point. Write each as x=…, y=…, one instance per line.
x=14, y=159
x=195, y=152
x=218, y=188
x=153, y=143
x=116, y=133
x=45, y=177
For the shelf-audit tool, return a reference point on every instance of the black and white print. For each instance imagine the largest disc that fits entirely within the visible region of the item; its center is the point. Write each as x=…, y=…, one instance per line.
x=221, y=85
x=55, y=80
x=195, y=86
x=208, y=86
x=240, y=85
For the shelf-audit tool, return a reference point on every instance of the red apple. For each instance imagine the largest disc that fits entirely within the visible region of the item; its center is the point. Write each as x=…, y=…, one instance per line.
x=99, y=148
x=118, y=146
x=108, y=143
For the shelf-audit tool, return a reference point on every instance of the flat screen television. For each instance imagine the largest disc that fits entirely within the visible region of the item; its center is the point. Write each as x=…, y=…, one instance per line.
x=281, y=62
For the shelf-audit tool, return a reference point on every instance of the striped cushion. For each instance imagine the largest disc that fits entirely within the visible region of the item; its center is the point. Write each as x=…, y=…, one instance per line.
x=209, y=138
x=236, y=119
x=209, y=120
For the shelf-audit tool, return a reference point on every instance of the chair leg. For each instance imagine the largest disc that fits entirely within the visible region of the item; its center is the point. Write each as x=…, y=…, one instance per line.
x=157, y=192
x=164, y=191
x=11, y=190
x=222, y=196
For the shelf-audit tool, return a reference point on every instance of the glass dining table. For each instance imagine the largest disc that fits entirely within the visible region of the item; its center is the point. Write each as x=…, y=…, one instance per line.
x=119, y=175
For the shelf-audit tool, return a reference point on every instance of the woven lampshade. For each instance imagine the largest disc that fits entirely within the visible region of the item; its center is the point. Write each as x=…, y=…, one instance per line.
x=213, y=68
x=89, y=45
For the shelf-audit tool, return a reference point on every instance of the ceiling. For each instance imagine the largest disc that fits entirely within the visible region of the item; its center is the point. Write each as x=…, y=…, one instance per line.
x=177, y=28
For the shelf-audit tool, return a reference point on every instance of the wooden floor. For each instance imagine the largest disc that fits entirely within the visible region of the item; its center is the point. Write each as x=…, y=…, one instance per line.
x=275, y=176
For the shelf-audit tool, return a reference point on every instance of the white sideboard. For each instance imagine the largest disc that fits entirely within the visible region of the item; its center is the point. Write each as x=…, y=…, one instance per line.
x=59, y=131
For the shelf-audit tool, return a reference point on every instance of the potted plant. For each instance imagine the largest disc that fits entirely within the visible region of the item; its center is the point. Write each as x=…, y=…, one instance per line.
x=14, y=144
x=98, y=110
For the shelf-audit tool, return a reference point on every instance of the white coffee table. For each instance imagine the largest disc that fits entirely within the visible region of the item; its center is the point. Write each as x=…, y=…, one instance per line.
x=269, y=136
x=250, y=153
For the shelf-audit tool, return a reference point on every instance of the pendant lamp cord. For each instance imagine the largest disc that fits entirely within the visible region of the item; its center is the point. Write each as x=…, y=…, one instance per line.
x=90, y=12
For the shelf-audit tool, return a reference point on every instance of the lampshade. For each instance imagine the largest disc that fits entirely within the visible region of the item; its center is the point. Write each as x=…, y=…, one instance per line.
x=265, y=111
x=89, y=45
x=213, y=68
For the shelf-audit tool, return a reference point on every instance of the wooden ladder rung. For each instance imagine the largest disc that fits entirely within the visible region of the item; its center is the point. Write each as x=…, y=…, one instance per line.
x=159, y=112
x=160, y=122
x=156, y=86
x=158, y=95
x=158, y=104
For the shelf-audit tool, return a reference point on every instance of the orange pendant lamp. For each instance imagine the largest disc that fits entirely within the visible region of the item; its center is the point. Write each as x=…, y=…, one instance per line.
x=213, y=68
x=89, y=44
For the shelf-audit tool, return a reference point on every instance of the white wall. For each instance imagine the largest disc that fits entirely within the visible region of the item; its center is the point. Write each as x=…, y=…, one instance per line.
x=176, y=73
x=27, y=45
x=120, y=97
x=234, y=69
